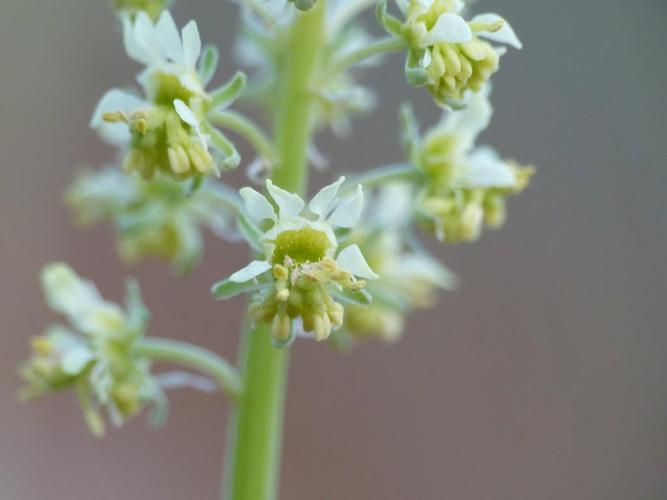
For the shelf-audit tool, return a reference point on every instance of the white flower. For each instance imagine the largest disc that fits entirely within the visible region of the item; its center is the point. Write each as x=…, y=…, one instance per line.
x=162, y=49
x=326, y=212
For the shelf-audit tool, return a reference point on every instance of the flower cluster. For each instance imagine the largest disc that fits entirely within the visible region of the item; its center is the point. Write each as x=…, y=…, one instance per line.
x=303, y=270
x=168, y=132
x=409, y=277
x=448, y=54
x=465, y=186
x=97, y=353
x=154, y=218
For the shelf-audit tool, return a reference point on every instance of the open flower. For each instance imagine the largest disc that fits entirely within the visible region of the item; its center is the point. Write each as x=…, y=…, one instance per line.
x=168, y=130
x=303, y=269
x=160, y=218
x=449, y=54
x=466, y=186
x=96, y=353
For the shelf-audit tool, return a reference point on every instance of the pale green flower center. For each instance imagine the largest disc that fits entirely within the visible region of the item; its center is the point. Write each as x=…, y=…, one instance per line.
x=301, y=246
x=165, y=88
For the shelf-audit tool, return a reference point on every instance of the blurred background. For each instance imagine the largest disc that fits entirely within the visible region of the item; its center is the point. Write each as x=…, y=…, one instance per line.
x=544, y=377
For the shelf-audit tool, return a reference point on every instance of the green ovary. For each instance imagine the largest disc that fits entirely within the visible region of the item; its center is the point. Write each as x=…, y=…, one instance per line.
x=301, y=245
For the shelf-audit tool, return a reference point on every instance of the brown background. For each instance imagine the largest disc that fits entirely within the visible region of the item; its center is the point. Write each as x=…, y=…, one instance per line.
x=543, y=378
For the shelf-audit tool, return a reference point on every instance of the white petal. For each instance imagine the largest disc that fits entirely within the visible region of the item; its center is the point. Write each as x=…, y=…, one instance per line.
x=146, y=39
x=289, y=204
x=352, y=260
x=191, y=45
x=167, y=37
x=487, y=170
x=425, y=268
x=476, y=116
x=76, y=359
x=257, y=206
x=186, y=114
x=394, y=205
x=323, y=201
x=348, y=212
x=115, y=100
x=252, y=270
x=503, y=35
x=134, y=37
x=67, y=293
x=449, y=28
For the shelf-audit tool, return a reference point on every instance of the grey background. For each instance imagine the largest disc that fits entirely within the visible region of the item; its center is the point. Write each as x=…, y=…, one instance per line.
x=544, y=377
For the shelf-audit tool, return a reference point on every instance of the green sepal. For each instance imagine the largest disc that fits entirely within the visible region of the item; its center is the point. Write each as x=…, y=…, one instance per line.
x=284, y=344
x=303, y=4
x=230, y=155
x=208, y=63
x=454, y=105
x=389, y=22
x=197, y=182
x=227, y=289
x=138, y=315
x=414, y=74
x=159, y=411
x=250, y=232
x=409, y=130
x=229, y=92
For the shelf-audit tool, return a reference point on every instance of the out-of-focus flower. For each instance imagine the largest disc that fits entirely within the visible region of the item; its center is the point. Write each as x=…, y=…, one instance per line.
x=159, y=218
x=96, y=354
x=409, y=277
x=339, y=97
x=466, y=186
x=303, y=270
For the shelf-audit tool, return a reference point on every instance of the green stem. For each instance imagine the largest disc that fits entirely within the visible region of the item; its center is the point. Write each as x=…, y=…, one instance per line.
x=382, y=46
x=246, y=129
x=193, y=357
x=253, y=454
x=405, y=172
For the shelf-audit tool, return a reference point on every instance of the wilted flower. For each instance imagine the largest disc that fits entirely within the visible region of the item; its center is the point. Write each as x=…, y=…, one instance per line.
x=167, y=132
x=158, y=218
x=303, y=270
x=409, y=278
x=96, y=353
x=447, y=53
x=465, y=186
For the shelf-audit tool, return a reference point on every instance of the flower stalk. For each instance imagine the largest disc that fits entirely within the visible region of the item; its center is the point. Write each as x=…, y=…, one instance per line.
x=253, y=454
x=193, y=357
